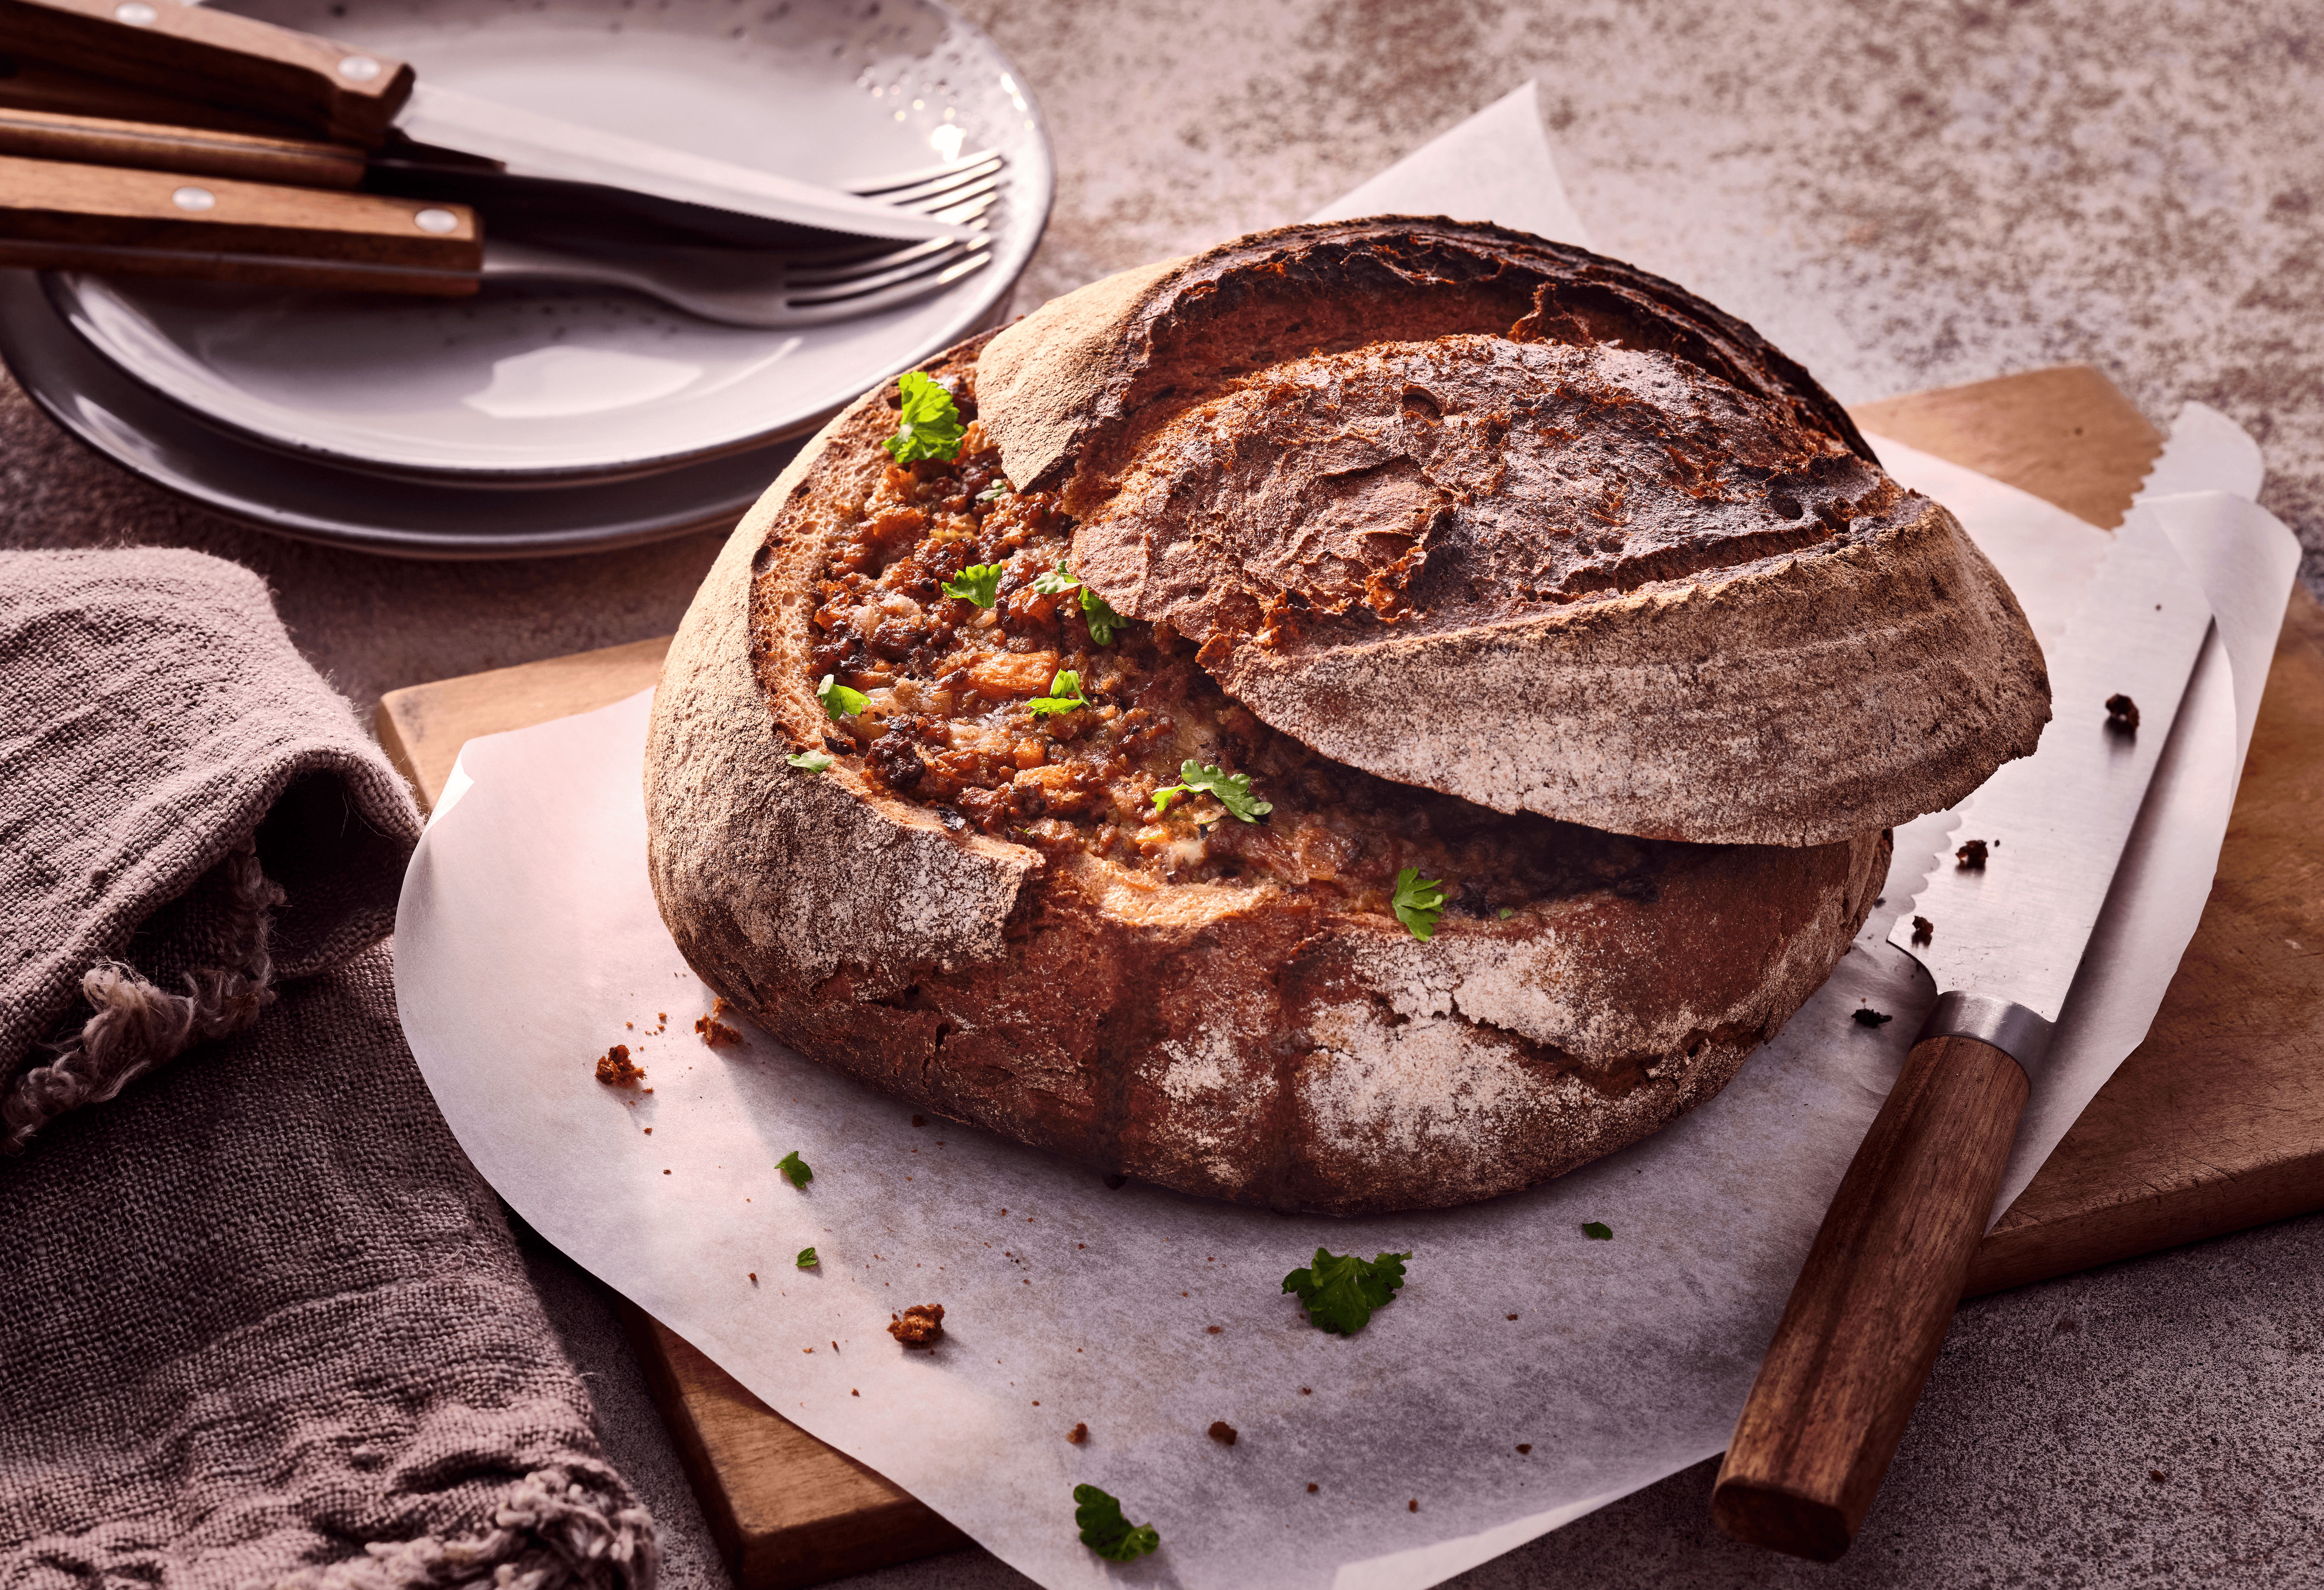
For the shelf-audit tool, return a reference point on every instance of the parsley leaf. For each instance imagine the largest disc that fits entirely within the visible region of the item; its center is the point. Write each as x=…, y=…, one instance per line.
x=1105, y=1532
x=1065, y=695
x=1340, y=1291
x=838, y=701
x=995, y=491
x=794, y=1170
x=809, y=761
x=807, y=1259
x=931, y=425
x=1418, y=902
x=1056, y=582
x=1103, y=621
x=1508, y=911
x=1598, y=1231
x=979, y=583
x=1234, y=791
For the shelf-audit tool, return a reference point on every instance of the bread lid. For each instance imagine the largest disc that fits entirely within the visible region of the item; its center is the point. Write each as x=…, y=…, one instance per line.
x=1477, y=511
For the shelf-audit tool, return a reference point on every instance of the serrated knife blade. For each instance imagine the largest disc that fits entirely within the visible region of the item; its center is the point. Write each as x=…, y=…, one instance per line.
x=2054, y=824
x=1861, y=1329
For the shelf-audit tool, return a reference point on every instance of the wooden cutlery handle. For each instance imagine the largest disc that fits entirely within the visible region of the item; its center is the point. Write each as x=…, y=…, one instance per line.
x=333, y=92
x=112, y=220
x=196, y=151
x=1869, y=1310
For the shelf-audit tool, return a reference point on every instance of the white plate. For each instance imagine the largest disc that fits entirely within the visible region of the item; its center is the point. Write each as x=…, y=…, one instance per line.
x=315, y=501
x=536, y=381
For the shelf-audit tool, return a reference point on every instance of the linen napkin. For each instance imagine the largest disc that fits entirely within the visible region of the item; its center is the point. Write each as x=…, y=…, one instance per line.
x=264, y=1325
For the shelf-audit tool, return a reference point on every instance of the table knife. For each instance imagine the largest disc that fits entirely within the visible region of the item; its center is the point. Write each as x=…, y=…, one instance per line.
x=2002, y=925
x=347, y=94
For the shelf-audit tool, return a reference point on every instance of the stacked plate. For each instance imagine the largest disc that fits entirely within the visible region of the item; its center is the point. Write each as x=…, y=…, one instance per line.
x=540, y=417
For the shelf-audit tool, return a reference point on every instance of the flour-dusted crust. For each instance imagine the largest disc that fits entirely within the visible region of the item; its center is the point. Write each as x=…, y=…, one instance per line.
x=1245, y=1042
x=1641, y=569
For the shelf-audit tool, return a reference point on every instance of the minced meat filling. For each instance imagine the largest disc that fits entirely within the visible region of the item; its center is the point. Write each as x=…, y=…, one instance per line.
x=948, y=722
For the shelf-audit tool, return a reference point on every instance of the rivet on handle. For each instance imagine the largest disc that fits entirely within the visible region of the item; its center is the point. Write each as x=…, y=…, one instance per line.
x=358, y=69
x=194, y=198
x=439, y=221
x=136, y=13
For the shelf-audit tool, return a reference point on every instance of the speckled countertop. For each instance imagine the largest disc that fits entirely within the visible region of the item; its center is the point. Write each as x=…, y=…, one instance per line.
x=1903, y=196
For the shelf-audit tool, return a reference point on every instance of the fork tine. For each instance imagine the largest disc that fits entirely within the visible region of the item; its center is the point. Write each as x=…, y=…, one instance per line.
x=881, y=186
x=870, y=303
x=867, y=265
x=920, y=194
x=852, y=288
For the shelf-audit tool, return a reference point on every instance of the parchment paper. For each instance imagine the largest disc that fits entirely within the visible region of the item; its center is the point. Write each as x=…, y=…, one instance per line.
x=528, y=942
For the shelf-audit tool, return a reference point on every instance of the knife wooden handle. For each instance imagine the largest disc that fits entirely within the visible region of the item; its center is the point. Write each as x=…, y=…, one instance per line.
x=1869, y=1310
x=197, y=152
x=112, y=220
x=333, y=92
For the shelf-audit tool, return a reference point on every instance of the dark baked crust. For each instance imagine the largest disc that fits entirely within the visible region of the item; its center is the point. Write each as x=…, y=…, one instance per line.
x=1241, y=1043
x=1641, y=568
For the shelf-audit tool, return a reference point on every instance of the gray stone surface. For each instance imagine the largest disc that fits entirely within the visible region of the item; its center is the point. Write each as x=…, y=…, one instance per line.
x=1903, y=195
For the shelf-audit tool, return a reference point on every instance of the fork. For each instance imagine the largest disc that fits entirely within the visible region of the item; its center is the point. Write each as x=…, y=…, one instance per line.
x=743, y=287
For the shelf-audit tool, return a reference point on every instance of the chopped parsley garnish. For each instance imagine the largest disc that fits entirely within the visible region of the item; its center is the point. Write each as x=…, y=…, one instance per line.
x=1598, y=1231
x=807, y=1259
x=838, y=701
x=1065, y=695
x=1234, y=791
x=1340, y=1291
x=809, y=761
x=1508, y=911
x=1103, y=621
x=1418, y=902
x=794, y=1170
x=931, y=427
x=1105, y=1532
x=979, y=583
x=995, y=491
x=1056, y=582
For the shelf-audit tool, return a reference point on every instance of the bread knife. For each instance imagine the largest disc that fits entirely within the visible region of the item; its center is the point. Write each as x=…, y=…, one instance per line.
x=345, y=94
x=2004, y=941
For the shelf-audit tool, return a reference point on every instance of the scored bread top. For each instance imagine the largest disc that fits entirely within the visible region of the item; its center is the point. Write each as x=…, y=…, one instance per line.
x=1497, y=517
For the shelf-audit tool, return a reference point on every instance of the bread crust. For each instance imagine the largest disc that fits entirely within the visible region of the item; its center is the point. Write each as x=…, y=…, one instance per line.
x=1237, y=1042
x=1694, y=606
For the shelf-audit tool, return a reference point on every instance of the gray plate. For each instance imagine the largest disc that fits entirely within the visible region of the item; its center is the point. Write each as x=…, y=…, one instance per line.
x=536, y=384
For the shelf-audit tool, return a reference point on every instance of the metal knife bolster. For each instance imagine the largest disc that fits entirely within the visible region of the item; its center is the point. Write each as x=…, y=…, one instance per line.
x=2022, y=1034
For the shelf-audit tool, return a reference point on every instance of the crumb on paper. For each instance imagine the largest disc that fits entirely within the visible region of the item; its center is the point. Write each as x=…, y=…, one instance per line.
x=1524, y=1447
x=1865, y=1016
x=919, y=1326
x=1307, y=1391
x=1512, y=1316
x=715, y=1033
x=754, y=1277
x=1313, y=1487
x=1971, y=857
x=1222, y=1432
x=2157, y=1475
x=2122, y=714
x=1078, y=1434
x=614, y=1068
x=1923, y=929
x=1413, y=1505
x=920, y=1121
x=1211, y=1329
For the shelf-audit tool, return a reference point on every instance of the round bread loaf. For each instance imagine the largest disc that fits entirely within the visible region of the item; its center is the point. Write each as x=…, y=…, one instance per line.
x=987, y=852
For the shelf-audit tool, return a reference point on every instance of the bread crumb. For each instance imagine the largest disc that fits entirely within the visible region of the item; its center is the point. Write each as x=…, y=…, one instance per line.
x=920, y=1121
x=1078, y=1434
x=919, y=1325
x=1867, y=1017
x=614, y=1069
x=715, y=1034
x=1512, y=1316
x=1222, y=1432
x=754, y=1277
x=1524, y=1447
x=1211, y=1329
x=2157, y=1475
x=1312, y=1487
x=1923, y=929
x=1413, y=1505
x=1971, y=857
x=2122, y=714
x=1307, y=1391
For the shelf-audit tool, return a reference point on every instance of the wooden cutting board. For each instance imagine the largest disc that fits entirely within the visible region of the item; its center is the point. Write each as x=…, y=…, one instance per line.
x=2215, y=1123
